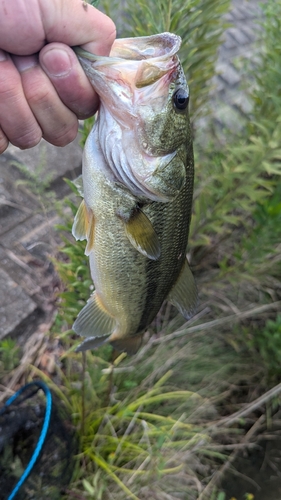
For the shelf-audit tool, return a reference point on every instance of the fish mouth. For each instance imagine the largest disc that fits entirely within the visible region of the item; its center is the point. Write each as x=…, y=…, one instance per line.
x=137, y=73
x=139, y=61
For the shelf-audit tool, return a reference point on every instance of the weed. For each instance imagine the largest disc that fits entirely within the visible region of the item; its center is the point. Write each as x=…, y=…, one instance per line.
x=9, y=355
x=38, y=182
x=142, y=422
x=265, y=341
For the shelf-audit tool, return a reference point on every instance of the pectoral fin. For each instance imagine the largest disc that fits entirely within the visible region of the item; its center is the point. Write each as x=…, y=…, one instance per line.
x=81, y=222
x=138, y=227
x=184, y=295
x=94, y=320
x=84, y=226
x=78, y=183
x=142, y=235
x=90, y=235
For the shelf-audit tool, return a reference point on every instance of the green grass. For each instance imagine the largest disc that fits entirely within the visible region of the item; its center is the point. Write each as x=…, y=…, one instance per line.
x=149, y=425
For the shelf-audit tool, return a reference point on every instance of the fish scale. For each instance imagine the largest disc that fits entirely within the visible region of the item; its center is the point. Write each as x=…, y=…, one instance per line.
x=137, y=186
x=162, y=274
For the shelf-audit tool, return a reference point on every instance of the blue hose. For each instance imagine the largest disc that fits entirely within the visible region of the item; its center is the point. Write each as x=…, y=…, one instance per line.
x=43, y=434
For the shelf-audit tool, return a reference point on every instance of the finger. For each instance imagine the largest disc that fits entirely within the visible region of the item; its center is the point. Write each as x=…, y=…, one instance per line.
x=59, y=124
x=21, y=26
x=65, y=72
x=82, y=24
x=16, y=118
x=4, y=143
x=26, y=26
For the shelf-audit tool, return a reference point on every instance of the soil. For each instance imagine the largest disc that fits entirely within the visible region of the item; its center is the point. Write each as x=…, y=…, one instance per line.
x=257, y=472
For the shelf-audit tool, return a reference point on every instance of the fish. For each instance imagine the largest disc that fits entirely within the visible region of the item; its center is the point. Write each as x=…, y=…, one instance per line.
x=137, y=178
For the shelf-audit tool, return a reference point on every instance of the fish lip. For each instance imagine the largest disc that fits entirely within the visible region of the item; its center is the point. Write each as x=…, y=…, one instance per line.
x=89, y=56
x=170, y=44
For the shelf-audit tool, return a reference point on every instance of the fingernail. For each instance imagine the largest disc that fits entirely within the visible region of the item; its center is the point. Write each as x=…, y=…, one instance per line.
x=56, y=62
x=3, y=56
x=24, y=63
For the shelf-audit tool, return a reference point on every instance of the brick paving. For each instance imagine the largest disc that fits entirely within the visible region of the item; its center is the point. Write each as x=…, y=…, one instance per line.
x=27, y=235
x=228, y=102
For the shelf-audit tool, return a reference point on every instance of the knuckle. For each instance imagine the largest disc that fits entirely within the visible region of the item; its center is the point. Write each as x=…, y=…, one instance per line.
x=38, y=95
x=18, y=126
x=66, y=135
x=111, y=32
x=28, y=139
x=83, y=108
x=9, y=89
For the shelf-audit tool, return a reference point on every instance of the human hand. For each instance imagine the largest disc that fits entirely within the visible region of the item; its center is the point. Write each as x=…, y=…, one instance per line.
x=43, y=89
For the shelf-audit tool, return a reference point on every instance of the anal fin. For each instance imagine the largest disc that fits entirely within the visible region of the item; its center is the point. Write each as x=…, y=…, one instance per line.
x=94, y=320
x=184, y=295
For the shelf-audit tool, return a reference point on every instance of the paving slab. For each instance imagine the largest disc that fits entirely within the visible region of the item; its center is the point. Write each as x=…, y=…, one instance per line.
x=46, y=161
x=15, y=203
x=228, y=73
x=27, y=234
x=15, y=305
x=229, y=102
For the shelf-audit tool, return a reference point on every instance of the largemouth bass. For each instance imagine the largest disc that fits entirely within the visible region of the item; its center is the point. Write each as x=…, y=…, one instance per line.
x=137, y=187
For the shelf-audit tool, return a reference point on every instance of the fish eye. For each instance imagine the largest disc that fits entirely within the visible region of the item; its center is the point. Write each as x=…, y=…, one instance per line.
x=181, y=99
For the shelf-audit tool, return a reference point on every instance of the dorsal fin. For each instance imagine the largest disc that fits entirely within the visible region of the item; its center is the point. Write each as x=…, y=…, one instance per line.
x=184, y=295
x=94, y=320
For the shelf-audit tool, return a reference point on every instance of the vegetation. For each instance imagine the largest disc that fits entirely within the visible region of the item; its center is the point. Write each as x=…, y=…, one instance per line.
x=167, y=423
x=154, y=439
x=9, y=355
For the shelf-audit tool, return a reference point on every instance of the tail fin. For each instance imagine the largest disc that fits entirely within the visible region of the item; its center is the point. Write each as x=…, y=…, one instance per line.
x=92, y=343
